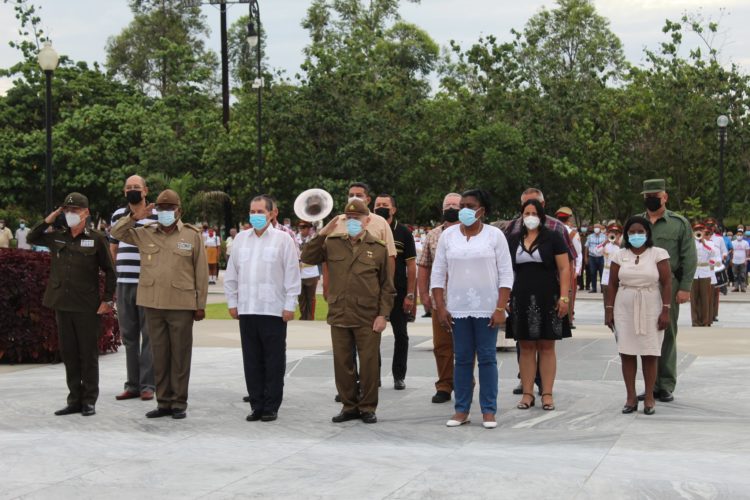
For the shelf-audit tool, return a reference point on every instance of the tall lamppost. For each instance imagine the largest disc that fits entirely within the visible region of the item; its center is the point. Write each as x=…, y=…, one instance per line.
x=48, y=60
x=722, y=121
x=253, y=39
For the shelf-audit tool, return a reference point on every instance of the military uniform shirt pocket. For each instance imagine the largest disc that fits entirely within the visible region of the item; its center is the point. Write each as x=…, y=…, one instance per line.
x=150, y=255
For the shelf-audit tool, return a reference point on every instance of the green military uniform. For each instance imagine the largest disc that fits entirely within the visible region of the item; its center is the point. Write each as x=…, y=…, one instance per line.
x=73, y=292
x=173, y=284
x=360, y=290
x=673, y=233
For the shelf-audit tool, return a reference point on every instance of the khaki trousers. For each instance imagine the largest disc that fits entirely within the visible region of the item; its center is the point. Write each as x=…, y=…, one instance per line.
x=701, y=302
x=368, y=350
x=442, y=342
x=171, y=333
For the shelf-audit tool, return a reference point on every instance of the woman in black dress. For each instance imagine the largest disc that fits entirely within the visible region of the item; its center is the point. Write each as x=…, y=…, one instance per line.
x=539, y=301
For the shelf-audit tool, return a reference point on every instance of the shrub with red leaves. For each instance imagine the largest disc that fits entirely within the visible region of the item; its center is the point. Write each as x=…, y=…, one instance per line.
x=28, y=331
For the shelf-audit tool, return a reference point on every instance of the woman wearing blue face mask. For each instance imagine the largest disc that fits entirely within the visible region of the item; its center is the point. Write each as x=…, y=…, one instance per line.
x=475, y=260
x=637, y=310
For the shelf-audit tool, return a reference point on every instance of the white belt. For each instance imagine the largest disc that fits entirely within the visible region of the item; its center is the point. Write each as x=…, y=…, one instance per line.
x=639, y=305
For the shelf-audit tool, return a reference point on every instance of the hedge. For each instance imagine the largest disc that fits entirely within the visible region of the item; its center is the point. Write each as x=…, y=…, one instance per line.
x=28, y=331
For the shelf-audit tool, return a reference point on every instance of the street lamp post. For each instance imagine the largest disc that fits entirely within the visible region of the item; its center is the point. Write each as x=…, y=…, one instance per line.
x=48, y=60
x=722, y=121
x=253, y=39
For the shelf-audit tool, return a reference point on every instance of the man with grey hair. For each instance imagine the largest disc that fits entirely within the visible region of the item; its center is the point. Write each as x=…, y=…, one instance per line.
x=441, y=338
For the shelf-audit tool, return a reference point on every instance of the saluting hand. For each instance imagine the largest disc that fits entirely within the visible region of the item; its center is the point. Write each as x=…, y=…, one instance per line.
x=328, y=228
x=143, y=211
x=52, y=216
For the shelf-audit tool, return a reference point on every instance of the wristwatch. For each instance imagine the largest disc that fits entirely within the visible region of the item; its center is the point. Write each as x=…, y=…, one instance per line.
x=410, y=296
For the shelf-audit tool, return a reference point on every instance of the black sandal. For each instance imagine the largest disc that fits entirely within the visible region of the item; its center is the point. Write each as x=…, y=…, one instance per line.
x=547, y=407
x=525, y=406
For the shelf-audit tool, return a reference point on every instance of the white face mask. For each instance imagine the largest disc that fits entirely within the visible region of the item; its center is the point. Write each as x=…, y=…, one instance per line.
x=531, y=222
x=72, y=219
x=597, y=230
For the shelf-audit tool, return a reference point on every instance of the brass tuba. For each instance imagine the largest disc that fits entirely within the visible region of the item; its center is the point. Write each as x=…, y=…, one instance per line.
x=313, y=205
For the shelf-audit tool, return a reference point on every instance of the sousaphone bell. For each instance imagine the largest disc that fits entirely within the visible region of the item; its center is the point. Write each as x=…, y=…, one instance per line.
x=313, y=205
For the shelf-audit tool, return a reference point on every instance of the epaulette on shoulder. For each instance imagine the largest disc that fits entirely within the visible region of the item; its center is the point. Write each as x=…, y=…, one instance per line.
x=381, y=242
x=194, y=228
x=336, y=235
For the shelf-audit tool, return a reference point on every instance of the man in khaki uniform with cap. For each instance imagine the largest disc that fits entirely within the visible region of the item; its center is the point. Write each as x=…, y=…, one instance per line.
x=360, y=297
x=671, y=232
x=173, y=287
x=77, y=255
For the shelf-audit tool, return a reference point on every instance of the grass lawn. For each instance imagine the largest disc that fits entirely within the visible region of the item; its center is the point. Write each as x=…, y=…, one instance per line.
x=220, y=311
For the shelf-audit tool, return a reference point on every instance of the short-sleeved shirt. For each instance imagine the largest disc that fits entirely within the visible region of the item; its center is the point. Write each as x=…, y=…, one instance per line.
x=741, y=249
x=128, y=261
x=405, y=251
x=429, y=247
x=673, y=233
x=595, y=244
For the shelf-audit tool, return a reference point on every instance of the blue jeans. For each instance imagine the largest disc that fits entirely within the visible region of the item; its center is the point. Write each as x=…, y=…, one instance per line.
x=472, y=336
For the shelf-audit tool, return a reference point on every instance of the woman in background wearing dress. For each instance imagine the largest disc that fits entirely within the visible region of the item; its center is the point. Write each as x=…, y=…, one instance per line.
x=539, y=301
x=637, y=310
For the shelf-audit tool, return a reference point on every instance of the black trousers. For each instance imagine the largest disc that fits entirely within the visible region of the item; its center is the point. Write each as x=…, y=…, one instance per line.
x=596, y=268
x=264, y=358
x=78, y=337
x=400, y=336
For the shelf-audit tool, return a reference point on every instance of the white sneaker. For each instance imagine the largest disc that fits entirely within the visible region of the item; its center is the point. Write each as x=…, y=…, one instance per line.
x=489, y=425
x=457, y=423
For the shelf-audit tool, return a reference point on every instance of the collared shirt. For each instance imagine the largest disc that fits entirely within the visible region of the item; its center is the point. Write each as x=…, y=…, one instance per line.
x=5, y=236
x=128, y=261
x=673, y=233
x=740, y=251
x=719, y=242
x=21, y=238
x=475, y=270
x=706, y=254
x=595, y=244
x=262, y=275
x=405, y=251
x=429, y=246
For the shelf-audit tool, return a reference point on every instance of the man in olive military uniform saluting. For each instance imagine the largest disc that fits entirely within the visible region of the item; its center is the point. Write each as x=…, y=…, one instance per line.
x=172, y=287
x=77, y=254
x=673, y=233
x=360, y=297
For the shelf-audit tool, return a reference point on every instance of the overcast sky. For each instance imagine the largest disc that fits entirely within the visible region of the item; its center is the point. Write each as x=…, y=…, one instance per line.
x=80, y=28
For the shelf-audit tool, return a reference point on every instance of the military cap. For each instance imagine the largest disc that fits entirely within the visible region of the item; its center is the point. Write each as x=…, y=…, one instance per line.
x=614, y=227
x=710, y=221
x=357, y=207
x=76, y=200
x=564, y=211
x=168, y=197
x=654, y=186
x=699, y=225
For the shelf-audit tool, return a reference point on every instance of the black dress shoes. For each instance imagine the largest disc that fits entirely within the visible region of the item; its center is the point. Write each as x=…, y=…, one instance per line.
x=518, y=389
x=665, y=396
x=68, y=410
x=88, y=410
x=159, y=412
x=254, y=416
x=179, y=414
x=399, y=384
x=369, y=417
x=269, y=416
x=441, y=397
x=345, y=416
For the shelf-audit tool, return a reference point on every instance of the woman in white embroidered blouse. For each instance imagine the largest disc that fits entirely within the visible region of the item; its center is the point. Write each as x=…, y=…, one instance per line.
x=475, y=260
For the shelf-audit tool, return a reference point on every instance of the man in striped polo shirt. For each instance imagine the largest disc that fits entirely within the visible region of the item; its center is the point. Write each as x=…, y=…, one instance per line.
x=132, y=319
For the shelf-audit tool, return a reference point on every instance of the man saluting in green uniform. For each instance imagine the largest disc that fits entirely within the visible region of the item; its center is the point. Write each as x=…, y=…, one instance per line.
x=673, y=233
x=77, y=254
x=360, y=297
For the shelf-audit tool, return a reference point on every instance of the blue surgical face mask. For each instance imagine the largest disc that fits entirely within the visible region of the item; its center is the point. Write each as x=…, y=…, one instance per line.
x=166, y=217
x=353, y=227
x=258, y=221
x=637, y=240
x=23, y=226
x=467, y=216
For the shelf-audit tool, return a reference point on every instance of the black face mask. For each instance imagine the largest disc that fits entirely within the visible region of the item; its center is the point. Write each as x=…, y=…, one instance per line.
x=450, y=215
x=134, y=197
x=383, y=212
x=652, y=203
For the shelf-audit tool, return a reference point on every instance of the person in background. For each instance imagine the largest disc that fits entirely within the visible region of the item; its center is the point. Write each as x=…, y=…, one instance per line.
x=565, y=215
x=309, y=274
x=473, y=259
x=639, y=298
x=442, y=342
x=728, y=238
x=614, y=235
x=594, y=251
x=6, y=235
x=212, y=242
x=539, y=301
x=229, y=241
x=21, y=236
x=740, y=257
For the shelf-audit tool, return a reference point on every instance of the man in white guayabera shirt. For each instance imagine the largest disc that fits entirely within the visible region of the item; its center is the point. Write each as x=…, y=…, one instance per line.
x=262, y=282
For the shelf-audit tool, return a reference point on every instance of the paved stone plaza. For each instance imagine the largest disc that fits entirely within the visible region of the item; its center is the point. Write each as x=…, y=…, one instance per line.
x=696, y=447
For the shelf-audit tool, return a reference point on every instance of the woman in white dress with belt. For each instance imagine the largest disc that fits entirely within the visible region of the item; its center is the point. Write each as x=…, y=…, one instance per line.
x=637, y=308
